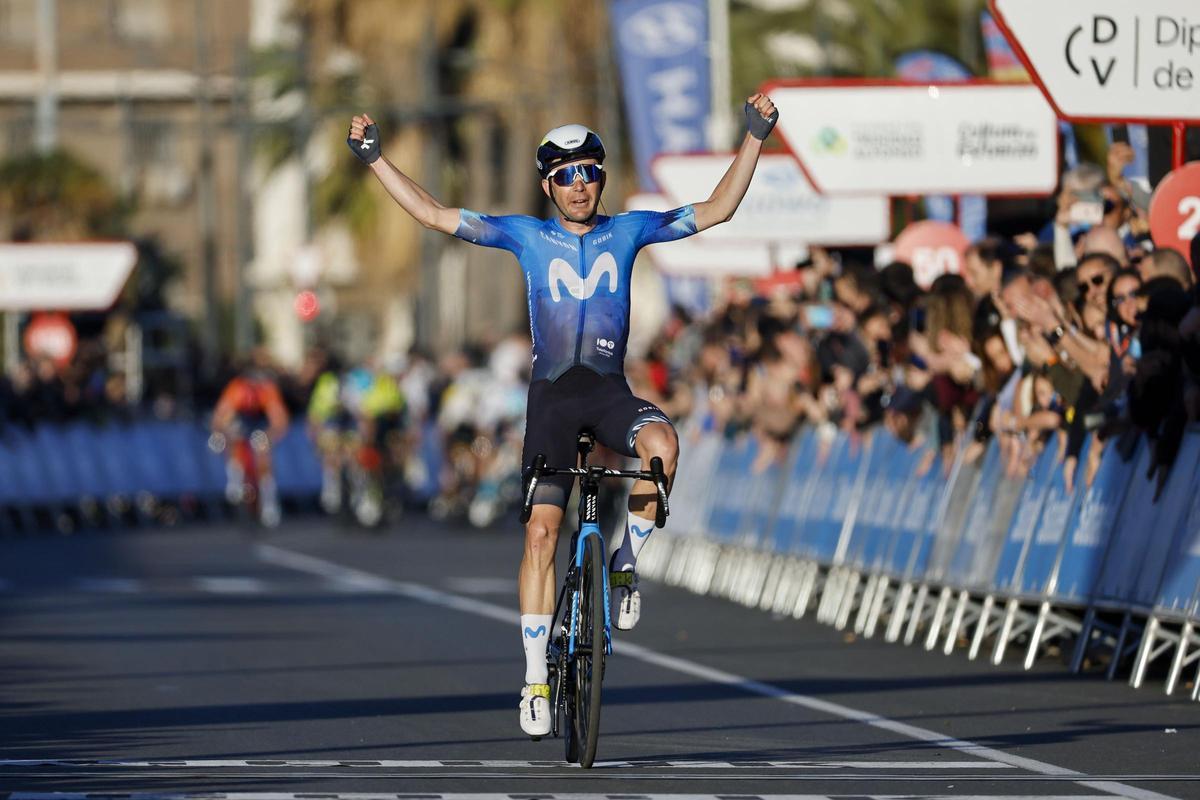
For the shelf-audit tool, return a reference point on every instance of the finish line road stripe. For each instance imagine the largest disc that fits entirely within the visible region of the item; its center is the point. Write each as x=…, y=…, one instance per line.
x=497, y=796
x=415, y=591
x=500, y=764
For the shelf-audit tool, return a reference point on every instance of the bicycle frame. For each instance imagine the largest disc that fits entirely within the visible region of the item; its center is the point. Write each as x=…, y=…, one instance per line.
x=588, y=526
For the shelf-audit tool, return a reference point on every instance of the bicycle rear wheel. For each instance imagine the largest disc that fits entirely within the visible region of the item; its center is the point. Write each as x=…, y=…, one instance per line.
x=589, y=658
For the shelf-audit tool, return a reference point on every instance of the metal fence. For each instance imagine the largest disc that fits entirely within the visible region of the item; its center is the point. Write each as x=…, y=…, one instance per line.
x=876, y=536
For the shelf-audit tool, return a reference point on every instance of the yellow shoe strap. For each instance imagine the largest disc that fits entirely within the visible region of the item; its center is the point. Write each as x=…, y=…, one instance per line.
x=539, y=690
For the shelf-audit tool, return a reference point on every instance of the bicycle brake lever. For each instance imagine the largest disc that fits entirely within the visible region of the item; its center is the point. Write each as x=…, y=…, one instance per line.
x=660, y=484
x=539, y=463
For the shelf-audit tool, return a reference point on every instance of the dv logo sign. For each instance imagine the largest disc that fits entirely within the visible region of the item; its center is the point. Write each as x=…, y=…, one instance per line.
x=1103, y=33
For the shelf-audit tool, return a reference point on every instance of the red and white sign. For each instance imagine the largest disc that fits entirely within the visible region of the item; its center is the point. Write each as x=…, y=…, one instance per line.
x=51, y=336
x=76, y=277
x=1110, y=60
x=307, y=306
x=779, y=206
x=699, y=256
x=1175, y=210
x=891, y=138
x=932, y=249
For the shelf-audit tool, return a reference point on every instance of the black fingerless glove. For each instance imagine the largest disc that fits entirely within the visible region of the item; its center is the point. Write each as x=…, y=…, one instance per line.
x=366, y=149
x=760, y=126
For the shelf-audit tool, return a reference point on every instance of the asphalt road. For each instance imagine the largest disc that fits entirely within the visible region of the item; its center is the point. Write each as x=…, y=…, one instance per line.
x=327, y=662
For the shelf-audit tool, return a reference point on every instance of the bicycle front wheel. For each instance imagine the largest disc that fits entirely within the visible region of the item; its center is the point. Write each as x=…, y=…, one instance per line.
x=589, y=658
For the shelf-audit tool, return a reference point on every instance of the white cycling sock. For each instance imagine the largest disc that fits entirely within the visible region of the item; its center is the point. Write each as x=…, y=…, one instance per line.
x=637, y=531
x=535, y=634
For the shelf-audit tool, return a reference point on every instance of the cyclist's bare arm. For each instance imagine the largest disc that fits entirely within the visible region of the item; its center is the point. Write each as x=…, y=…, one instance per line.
x=726, y=198
x=420, y=205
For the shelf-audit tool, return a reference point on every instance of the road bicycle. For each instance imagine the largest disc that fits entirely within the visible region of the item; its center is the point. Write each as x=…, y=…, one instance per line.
x=581, y=635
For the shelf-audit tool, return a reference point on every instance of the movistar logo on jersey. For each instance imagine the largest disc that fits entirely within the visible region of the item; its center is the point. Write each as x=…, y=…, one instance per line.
x=563, y=274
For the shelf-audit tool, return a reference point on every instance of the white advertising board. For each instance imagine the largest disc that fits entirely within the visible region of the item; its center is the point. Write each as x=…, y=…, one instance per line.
x=779, y=206
x=887, y=138
x=1110, y=60
x=67, y=277
x=699, y=256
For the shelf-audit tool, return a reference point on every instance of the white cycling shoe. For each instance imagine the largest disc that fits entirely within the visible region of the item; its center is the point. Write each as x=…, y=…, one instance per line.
x=535, y=710
x=626, y=599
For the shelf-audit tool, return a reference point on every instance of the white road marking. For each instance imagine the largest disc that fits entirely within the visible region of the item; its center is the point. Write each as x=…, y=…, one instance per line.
x=497, y=796
x=230, y=585
x=109, y=585
x=415, y=591
x=482, y=585
x=507, y=764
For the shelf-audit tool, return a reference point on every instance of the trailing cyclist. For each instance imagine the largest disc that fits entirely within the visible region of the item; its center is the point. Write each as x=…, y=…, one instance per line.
x=577, y=266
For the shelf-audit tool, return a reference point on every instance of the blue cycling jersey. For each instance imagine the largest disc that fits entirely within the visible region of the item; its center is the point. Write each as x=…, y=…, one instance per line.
x=578, y=286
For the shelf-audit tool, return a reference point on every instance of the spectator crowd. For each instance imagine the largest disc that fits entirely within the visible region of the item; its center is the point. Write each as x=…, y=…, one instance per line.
x=1080, y=331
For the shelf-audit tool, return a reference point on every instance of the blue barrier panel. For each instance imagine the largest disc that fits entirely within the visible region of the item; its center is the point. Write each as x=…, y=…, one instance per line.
x=1131, y=538
x=10, y=479
x=920, y=528
x=732, y=487
x=1089, y=528
x=37, y=487
x=184, y=446
x=63, y=484
x=83, y=443
x=799, y=474
x=691, y=497
x=830, y=501
x=112, y=443
x=760, y=502
x=297, y=467
x=1024, y=521
x=879, y=507
x=1157, y=540
x=145, y=450
x=1180, y=591
x=978, y=522
x=1042, y=554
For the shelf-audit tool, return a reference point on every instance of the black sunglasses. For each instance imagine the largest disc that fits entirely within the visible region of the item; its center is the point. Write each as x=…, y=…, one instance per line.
x=1095, y=280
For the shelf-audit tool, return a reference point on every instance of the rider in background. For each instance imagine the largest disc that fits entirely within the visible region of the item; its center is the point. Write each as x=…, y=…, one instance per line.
x=251, y=409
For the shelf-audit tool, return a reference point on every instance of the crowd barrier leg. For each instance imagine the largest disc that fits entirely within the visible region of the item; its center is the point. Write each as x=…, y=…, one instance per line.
x=984, y=627
x=1180, y=660
x=1016, y=622
x=883, y=588
x=870, y=589
x=963, y=616
x=918, y=614
x=809, y=585
x=898, y=614
x=939, y=617
x=1150, y=649
x=1083, y=642
x=849, y=596
x=1119, y=649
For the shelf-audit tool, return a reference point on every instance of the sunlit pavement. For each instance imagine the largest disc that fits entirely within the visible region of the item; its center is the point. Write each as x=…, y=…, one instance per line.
x=321, y=659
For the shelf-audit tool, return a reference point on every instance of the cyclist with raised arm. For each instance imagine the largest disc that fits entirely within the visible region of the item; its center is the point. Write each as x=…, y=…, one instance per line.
x=577, y=267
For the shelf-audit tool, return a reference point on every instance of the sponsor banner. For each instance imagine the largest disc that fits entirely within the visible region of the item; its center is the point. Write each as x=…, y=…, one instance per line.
x=67, y=277
x=699, y=256
x=779, y=206
x=1110, y=60
x=872, y=137
x=662, y=53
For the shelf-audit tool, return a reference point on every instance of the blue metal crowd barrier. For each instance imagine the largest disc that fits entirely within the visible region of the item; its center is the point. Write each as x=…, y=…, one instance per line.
x=55, y=469
x=860, y=523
